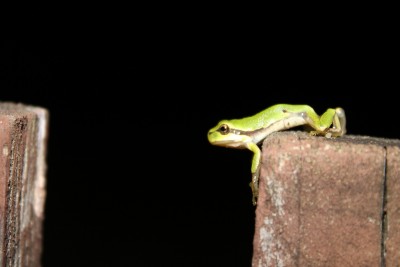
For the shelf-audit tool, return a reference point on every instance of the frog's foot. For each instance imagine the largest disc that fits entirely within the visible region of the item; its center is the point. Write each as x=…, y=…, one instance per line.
x=326, y=134
x=255, y=193
x=319, y=133
x=254, y=185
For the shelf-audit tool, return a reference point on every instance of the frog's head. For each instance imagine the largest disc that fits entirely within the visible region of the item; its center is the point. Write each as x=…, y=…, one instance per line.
x=225, y=134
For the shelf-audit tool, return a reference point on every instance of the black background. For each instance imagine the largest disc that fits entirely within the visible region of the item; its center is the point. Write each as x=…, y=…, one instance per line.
x=132, y=179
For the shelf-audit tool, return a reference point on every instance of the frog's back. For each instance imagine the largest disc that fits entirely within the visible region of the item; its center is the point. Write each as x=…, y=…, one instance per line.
x=270, y=115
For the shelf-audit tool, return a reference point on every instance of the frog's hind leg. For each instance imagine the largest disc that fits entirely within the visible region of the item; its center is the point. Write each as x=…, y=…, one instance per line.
x=322, y=125
x=339, y=123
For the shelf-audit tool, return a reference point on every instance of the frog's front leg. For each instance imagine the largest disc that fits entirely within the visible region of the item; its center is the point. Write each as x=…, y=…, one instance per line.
x=255, y=170
x=254, y=185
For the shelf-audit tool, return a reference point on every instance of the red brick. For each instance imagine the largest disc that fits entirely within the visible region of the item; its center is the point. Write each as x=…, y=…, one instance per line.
x=23, y=139
x=321, y=200
x=392, y=219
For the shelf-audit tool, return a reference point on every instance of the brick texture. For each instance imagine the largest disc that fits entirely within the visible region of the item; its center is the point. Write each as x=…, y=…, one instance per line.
x=23, y=138
x=328, y=202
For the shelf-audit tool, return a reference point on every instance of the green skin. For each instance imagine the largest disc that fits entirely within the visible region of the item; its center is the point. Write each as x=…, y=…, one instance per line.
x=248, y=132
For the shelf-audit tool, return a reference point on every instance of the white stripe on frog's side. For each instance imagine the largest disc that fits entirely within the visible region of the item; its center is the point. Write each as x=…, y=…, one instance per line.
x=297, y=119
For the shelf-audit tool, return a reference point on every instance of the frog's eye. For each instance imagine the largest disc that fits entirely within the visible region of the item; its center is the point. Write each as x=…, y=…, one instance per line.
x=223, y=129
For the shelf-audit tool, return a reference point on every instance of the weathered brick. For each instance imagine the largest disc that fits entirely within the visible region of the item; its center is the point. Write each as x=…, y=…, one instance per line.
x=23, y=139
x=392, y=218
x=321, y=200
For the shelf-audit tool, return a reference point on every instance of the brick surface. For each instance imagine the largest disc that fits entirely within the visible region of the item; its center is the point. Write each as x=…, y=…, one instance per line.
x=392, y=219
x=321, y=201
x=23, y=138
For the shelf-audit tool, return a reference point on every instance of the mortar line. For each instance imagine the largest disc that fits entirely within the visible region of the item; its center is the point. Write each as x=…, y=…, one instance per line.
x=383, y=210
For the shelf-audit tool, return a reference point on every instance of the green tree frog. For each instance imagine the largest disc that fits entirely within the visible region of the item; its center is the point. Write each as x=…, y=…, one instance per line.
x=247, y=133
